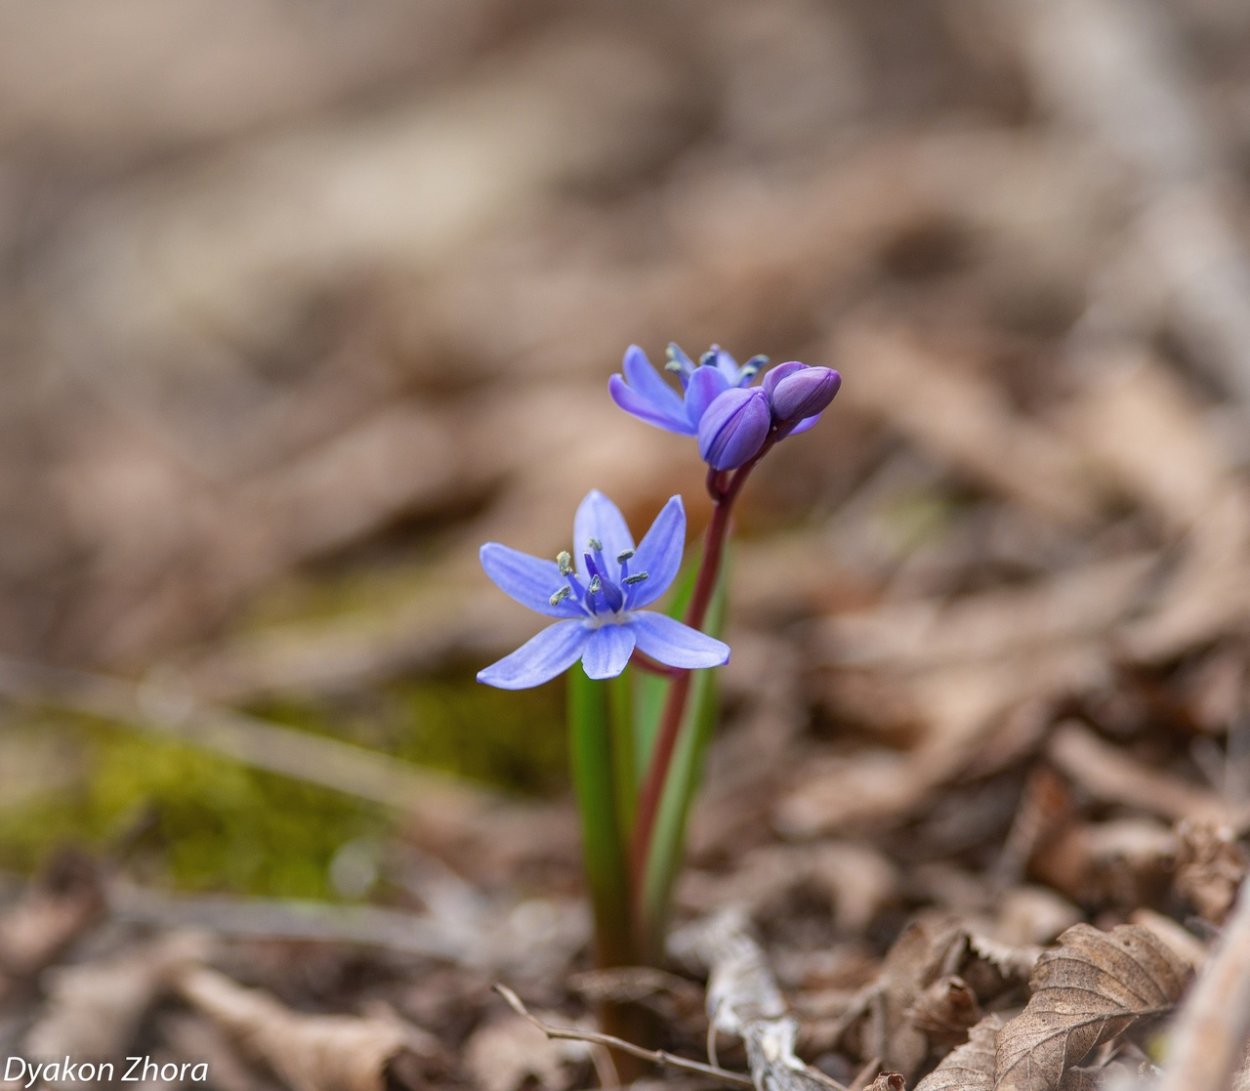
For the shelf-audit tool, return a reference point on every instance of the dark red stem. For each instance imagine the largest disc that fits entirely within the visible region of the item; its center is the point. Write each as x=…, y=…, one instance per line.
x=724, y=489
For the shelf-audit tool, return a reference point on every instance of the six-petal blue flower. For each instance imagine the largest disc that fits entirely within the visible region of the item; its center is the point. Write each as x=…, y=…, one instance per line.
x=598, y=600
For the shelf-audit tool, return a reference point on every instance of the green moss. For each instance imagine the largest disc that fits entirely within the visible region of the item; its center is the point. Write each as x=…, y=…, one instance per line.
x=516, y=741
x=205, y=823
x=209, y=823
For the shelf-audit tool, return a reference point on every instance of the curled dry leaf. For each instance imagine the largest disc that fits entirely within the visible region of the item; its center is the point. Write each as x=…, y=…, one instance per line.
x=1094, y=986
x=310, y=1052
x=971, y=1066
x=945, y=1010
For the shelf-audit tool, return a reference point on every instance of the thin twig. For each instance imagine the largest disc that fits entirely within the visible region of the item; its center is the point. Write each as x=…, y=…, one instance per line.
x=656, y=1057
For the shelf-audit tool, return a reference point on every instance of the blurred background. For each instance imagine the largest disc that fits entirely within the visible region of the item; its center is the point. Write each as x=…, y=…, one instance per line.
x=301, y=302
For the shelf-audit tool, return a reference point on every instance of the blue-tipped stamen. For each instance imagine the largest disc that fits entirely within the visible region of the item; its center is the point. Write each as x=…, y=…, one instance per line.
x=560, y=594
x=636, y=578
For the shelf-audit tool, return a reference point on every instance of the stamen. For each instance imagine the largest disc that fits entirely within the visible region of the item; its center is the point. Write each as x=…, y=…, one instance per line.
x=560, y=595
x=596, y=586
x=675, y=365
x=638, y=577
x=753, y=365
x=565, y=560
x=624, y=555
x=596, y=546
x=709, y=357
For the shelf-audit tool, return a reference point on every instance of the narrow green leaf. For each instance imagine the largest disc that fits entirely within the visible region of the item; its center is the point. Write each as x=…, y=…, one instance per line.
x=591, y=753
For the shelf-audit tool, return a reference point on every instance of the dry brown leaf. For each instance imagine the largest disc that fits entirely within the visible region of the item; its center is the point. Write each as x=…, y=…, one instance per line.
x=928, y=949
x=1210, y=867
x=945, y=1010
x=1094, y=986
x=310, y=1052
x=508, y=1054
x=51, y=915
x=971, y=1066
x=93, y=1010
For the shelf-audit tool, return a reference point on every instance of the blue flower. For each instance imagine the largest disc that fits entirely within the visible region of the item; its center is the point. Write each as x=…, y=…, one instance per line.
x=731, y=419
x=599, y=600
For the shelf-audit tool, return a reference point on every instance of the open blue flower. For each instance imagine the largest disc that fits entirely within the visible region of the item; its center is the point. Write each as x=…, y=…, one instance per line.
x=599, y=600
x=732, y=419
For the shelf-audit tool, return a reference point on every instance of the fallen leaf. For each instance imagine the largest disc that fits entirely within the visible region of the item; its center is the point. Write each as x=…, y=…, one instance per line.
x=971, y=1066
x=508, y=1054
x=309, y=1052
x=1091, y=988
x=94, y=1009
x=1210, y=867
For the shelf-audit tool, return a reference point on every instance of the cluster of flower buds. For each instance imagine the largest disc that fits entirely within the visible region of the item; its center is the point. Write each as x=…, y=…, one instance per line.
x=733, y=420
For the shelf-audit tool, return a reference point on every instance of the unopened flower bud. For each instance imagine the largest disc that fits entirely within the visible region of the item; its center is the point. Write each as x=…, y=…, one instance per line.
x=797, y=392
x=734, y=428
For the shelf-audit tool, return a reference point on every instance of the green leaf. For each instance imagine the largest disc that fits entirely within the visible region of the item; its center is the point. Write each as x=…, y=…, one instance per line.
x=591, y=748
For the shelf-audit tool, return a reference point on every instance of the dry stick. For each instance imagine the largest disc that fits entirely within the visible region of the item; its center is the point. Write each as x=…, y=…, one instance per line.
x=1211, y=1033
x=343, y=767
x=657, y=1057
x=368, y=926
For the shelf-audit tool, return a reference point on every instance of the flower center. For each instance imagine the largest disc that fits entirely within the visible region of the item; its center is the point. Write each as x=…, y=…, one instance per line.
x=607, y=586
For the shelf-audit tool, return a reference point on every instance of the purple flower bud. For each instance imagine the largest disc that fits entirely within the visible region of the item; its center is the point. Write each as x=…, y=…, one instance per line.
x=797, y=392
x=734, y=428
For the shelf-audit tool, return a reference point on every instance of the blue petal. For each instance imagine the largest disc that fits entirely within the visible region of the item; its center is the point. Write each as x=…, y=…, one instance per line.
x=785, y=430
x=540, y=658
x=597, y=517
x=705, y=384
x=662, y=415
x=529, y=580
x=649, y=383
x=608, y=650
x=667, y=640
x=727, y=366
x=659, y=555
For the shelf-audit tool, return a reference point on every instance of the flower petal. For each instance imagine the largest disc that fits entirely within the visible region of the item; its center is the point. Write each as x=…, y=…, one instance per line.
x=669, y=641
x=659, y=555
x=648, y=382
x=530, y=580
x=803, y=425
x=597, y=517
x=705, y=384
x=662, y=416
x=608, y=650
x=540, y=658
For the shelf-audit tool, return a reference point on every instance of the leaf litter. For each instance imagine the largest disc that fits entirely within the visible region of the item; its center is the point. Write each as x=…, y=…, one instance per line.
x=979, y=808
